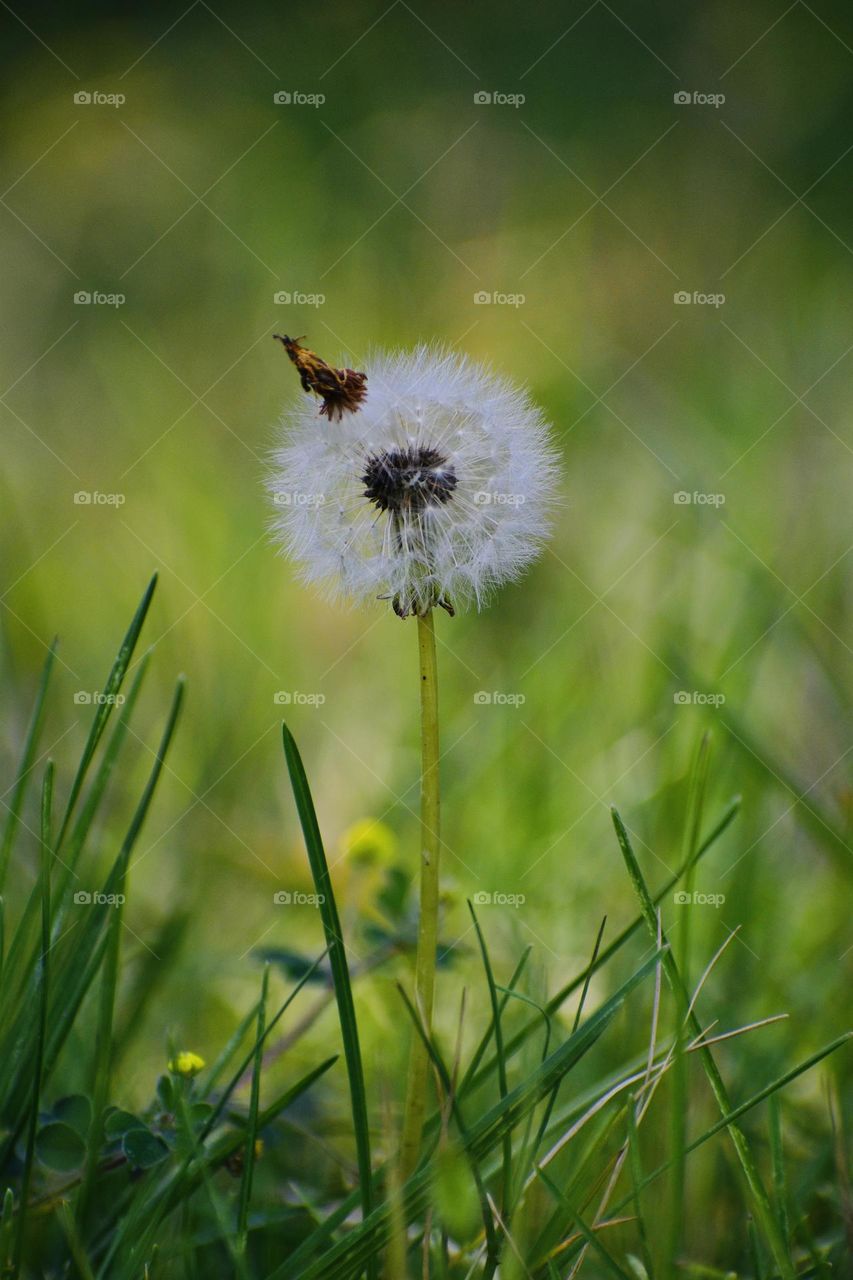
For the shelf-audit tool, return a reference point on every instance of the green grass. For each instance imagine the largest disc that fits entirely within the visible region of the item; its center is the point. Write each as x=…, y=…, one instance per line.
x=545, y=1131
x=178, y=798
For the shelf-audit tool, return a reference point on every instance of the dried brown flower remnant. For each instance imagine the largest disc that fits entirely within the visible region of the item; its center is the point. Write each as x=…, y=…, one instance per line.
x=340, y=389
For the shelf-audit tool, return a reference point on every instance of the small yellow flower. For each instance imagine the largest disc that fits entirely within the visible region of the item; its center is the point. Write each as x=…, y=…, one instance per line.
x=186, y=1064
x=369, y=841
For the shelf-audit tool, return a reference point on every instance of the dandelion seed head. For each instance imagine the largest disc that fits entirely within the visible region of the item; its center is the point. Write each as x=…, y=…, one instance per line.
x=437, y=490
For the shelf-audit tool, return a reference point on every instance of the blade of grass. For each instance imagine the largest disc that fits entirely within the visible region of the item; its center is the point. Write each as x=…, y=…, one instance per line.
x=19, y=965
x=249, y=1058
x=76, y=976
x=103, y=773
x=41, y=1025
x=232, y=1246
x=338, y=963
x=151, y=970
x=483, y=1136
x=13, y=814
x=770, y=768
x=102, y=1065
x=477, y=1056
x=636, y=1167
x=515, y=1042
x=585, y=1172
x=528, y=1145
x=119, y=870
x=7, y=1232
x=590, y=971
x=680, y=1069
x=777, y=1152
x=530, y=1152
x=252, y=1126
x=592, y=1238
x=106, y=704
x=503, y=1089
x=493, y=1244
x=763, y=1209
x=207, y=1084
x=758, y=1268
x=753, y=1101
x=76, y=1248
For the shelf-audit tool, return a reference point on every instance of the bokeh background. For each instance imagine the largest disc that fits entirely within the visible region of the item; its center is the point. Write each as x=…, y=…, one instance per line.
x=385, y=201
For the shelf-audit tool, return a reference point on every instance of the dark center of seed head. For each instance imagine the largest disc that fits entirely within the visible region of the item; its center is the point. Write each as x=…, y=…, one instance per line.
x=409, y=479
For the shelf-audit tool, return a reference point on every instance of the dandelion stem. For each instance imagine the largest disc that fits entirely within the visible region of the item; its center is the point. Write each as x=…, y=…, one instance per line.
x=416, y=1084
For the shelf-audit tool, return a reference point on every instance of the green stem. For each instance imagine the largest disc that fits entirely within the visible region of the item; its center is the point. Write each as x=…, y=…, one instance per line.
x=680, y=1081
x=416, y=1084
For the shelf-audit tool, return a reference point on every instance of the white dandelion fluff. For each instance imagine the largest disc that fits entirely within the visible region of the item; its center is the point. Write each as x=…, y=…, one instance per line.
x=433, y=489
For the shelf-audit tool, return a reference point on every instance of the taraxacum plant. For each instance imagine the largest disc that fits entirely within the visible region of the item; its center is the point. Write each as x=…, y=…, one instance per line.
x=426, y=480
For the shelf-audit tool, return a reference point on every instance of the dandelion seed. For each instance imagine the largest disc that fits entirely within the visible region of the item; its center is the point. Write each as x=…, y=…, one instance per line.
x=433, y=489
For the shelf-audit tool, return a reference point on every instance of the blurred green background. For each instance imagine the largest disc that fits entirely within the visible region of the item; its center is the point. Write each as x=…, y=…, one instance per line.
x=581, y=213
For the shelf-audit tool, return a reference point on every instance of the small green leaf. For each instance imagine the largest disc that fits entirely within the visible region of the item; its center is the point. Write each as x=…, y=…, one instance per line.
x=118, y=1123
x=394, y=894
x=166, y=1092
x=455, y=1194
x=76, y=1111
x=60, y=1147
x=143, y=1148
x=295, y=965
